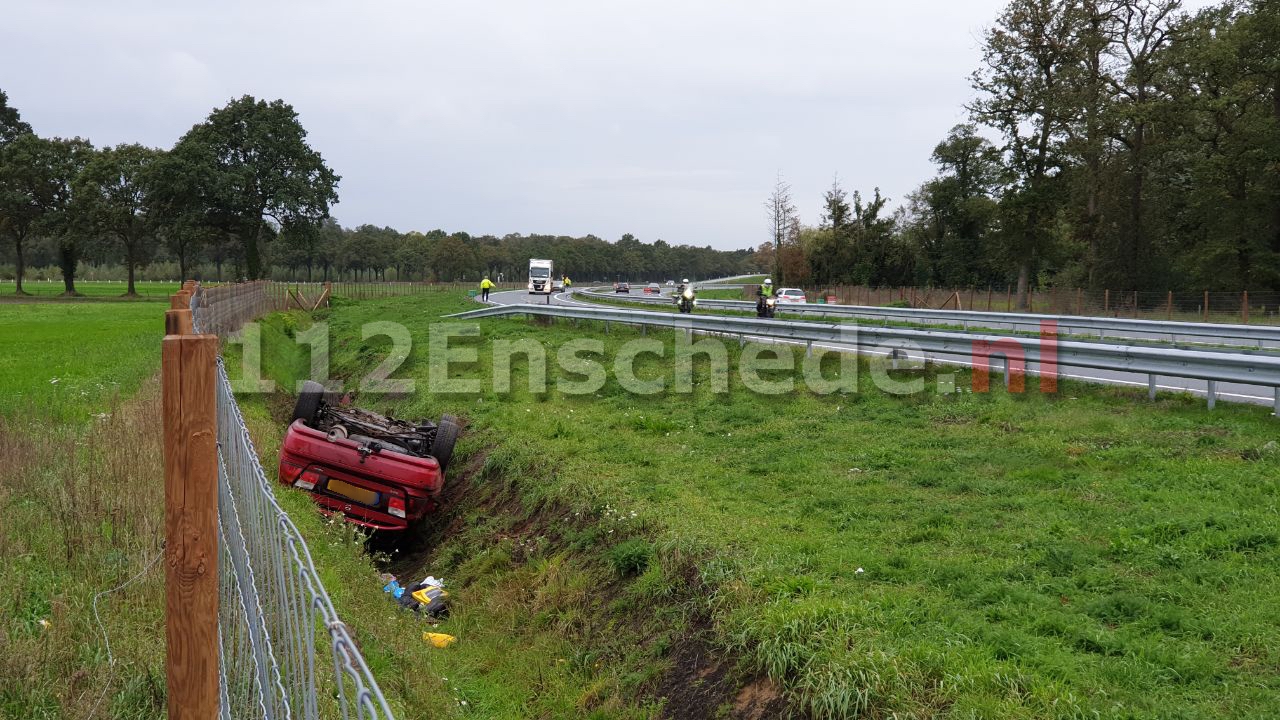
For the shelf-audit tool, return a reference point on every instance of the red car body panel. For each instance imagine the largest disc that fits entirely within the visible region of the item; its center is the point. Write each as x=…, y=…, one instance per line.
x=414, y=481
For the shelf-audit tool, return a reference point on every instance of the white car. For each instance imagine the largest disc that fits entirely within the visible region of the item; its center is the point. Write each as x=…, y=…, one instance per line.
x=791, y=295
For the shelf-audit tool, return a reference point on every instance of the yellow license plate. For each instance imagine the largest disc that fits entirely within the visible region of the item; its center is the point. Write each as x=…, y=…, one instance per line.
x=352, y=492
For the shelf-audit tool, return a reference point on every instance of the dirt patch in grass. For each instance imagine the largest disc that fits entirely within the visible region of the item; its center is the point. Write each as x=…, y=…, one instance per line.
x=704, y=683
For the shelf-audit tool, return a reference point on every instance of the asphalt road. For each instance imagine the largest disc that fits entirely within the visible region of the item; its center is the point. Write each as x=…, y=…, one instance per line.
x=1227, y=392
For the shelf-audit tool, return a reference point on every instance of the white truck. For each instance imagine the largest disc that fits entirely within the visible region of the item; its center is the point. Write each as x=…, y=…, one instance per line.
x=540, y=274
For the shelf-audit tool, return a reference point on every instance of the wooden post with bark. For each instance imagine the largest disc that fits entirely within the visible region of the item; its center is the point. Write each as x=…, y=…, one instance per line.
x=191, y=516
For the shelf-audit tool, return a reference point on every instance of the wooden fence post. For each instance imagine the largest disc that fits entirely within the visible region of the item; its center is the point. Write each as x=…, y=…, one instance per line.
x=1106, y=301
x=1169, y=306
x=1205, y=307
x=1244, y=307
x=191, y=517
x=1079, y=301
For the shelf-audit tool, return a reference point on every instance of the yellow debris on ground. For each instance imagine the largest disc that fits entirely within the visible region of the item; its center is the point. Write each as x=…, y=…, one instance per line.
x=439, y=640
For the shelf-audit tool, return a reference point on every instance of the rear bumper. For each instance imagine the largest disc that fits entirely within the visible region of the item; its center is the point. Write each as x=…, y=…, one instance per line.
x=369, y=485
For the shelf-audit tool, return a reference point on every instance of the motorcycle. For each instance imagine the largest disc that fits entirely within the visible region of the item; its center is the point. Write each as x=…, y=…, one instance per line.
x=686, y=300
x=766, y=306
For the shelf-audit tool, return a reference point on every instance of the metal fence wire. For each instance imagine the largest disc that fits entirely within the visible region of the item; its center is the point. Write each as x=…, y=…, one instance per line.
x=276, y=623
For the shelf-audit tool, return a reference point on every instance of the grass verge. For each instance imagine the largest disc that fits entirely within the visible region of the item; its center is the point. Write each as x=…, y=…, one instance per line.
x=863, y=553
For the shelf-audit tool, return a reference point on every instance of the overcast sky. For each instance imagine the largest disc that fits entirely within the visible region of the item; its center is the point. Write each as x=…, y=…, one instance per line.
x=664, y=119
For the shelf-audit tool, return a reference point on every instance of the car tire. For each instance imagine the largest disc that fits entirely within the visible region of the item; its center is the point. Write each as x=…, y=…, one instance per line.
x=308, y=401
x=446, y=435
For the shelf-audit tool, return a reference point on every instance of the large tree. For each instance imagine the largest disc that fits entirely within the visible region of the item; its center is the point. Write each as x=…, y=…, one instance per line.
x=33, y=186
x=11, y=124
x=66, y=219
x=1142, y=28
x=248, y=170
x=962, y=206
x=1023, y=95
x=114, y=189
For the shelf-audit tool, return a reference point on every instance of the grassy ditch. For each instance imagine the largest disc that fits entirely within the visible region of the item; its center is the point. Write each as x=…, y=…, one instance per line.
x=994, y=555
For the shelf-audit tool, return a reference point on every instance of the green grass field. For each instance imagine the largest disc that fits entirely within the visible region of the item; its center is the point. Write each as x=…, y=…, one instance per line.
x=80, y=493
x=1021, y=556
x=67, y=361
x=722, y=294
x=96, y=289
x=1082, y=554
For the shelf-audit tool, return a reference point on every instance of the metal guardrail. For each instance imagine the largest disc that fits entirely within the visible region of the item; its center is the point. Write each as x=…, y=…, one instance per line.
x=1260, y=336
x=1211, y=366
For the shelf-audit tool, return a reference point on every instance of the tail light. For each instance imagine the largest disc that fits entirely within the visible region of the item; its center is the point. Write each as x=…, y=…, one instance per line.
x=395, y=506
x=308, y=480
x=289, y=472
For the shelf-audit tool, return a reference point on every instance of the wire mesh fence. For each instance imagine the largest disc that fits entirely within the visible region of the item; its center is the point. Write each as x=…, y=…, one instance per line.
x=1223, y=307
x=284, y=652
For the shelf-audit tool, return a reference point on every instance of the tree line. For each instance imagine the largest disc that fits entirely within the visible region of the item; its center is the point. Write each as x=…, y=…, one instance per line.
x=243, y=195
x=1111, y=143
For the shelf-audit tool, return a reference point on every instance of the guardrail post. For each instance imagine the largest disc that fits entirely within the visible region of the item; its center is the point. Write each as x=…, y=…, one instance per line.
x=191, y=516
x=808, y=348
x=1151, y=387
x=1275, y=408
x=1007, y=379
x=1212, y=394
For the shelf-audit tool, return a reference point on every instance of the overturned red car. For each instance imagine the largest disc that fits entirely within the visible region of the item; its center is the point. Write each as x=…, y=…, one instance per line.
x=379, y=472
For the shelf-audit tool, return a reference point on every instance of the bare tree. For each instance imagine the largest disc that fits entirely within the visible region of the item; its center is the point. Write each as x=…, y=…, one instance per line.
x=781, y=212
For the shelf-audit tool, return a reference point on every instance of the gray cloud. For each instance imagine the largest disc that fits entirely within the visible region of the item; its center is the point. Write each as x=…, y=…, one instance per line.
x=661, y=118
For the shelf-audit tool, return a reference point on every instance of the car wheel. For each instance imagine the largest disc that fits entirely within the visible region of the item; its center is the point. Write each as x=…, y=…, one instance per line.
x=446, y=435
x=308, y=401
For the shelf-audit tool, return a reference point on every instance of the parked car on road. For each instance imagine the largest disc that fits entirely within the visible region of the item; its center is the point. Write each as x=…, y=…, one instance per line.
x=379, y=472
x=622, y=287
x=791, y=295
x=653, y=289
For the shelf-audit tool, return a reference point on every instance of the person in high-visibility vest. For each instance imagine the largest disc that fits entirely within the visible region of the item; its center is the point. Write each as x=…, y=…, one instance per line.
x=485, y=284
x=567, y=282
